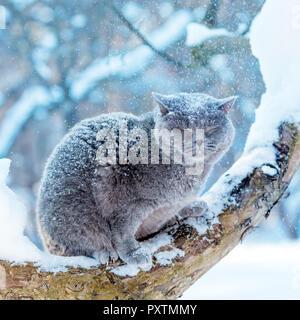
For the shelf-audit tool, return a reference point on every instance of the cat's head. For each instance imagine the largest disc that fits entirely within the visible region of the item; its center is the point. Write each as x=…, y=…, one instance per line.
x=198, y=111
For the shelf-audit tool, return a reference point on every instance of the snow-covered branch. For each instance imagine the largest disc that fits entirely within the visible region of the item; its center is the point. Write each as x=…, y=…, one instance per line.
x=137, y=32
x=124, y=65
x=181, y=254
x=133, y=62
x=238, y=201
x=19, y=113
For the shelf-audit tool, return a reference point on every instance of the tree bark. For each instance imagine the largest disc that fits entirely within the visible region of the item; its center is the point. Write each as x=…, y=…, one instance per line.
x=254, y=198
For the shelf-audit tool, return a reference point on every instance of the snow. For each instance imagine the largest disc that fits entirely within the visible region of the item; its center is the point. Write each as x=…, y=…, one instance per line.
x=269, y=170
x=32, y=99
x=151, y=245
x=78, y=21
x=21, y=4
x=256, y=270
x=199, y=13
x=42, y=13
x=49, y=41
x=217, y=197
x=40, y=56
x=165, y=258
x=2, y=98
x=219, y=64
x=3, y=13
x=14, y=245
x=126, y=270
x=132, y=11
x=280, y=67
x=134, y=61
x=261, y=271
x=277, y=46
x=200, y=225
x=279, y=59
x=19, y=113
x=198, y=33
x=292, y=203
x=165, y=9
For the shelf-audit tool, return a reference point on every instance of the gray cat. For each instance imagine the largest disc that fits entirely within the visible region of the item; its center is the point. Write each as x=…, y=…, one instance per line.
x=86, y=207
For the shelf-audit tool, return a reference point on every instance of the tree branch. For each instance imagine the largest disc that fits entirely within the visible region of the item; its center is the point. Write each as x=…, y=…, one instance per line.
x=210, y=18
x=250, y=201
x=132, y=28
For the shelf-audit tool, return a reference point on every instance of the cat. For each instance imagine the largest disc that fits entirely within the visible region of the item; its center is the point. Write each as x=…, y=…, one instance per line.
x=86, y=207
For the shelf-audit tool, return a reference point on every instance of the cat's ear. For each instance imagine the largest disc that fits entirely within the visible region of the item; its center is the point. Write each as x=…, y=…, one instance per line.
x=226, y=104
x=162, y=103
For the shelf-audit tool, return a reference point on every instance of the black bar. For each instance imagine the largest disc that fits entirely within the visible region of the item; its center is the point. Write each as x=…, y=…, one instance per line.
x=158, y=309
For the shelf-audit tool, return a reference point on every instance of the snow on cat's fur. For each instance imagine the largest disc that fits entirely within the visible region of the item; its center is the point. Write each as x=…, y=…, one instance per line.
x=85, y=208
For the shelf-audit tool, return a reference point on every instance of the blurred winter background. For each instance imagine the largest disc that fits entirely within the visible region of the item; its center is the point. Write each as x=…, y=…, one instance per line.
x=63, y=61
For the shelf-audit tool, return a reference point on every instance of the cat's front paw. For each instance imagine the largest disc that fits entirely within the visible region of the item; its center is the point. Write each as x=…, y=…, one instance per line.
x=138, y=256
x=106, y=255
x=196, y=209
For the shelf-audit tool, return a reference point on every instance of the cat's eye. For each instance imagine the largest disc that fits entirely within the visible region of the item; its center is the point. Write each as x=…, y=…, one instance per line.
x=211, y=130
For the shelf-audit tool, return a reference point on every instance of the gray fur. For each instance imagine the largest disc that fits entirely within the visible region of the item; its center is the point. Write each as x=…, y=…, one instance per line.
x=99, y=211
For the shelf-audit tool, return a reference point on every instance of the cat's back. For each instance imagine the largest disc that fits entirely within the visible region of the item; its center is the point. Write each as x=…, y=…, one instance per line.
x=75, y=156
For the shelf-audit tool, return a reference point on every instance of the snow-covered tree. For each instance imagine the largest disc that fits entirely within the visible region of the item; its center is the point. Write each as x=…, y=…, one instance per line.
x=72, y=62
